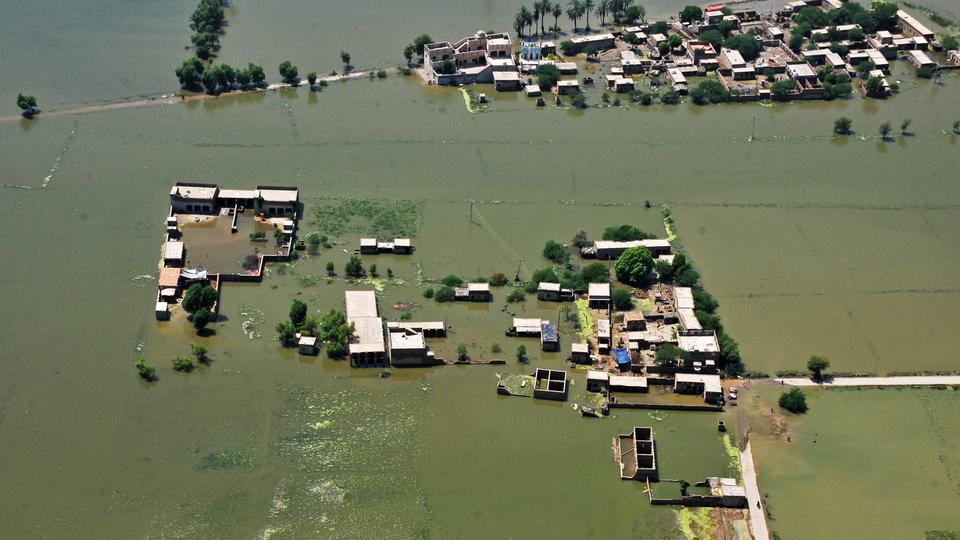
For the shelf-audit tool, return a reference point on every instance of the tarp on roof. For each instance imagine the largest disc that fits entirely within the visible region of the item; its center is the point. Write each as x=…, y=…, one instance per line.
x=622, y=356
x=193, y=274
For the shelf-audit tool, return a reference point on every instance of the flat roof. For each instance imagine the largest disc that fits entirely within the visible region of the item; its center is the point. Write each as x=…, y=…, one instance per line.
x=503, y=62
x=688, y=319
x=633, y=316
x=648, y=243
x=506, y=76
x=528, y=325
x=403, y=340
x=912, y=22
x=278, y=194
x=478, y=287
x=628, y=381
x=238, y=194
x=733, y=56
x=706, y=343
x=361, y=304
x=801, y=70
x=310, y=341
x=416, y=326
x=498, y=41
x=603, y=328
x=684, y=297
x=401, y=242
x=599, y=290
x=571, y=82
x=592, y=38
x=194, y=191
x=173, y=250
x=594, y=375
x=368, y=332
x=169, y=277
x=548, y=286
x=710, y=382
x=579, y=348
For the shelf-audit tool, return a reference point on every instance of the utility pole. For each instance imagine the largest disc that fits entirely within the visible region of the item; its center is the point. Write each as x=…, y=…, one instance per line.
x=516, y=276
x=753, y=135
x=471, y=211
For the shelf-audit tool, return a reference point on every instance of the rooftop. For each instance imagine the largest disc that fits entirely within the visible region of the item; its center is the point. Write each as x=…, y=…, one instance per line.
x=188, y=190
x=698, y=343
x=173, y=250
x=599, y=290
x=408, y=341
x=361, y=304
x=278, y=193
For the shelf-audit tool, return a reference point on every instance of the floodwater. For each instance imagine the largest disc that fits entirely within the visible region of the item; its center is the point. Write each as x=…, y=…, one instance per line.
x=878, y=463
x=842, y=247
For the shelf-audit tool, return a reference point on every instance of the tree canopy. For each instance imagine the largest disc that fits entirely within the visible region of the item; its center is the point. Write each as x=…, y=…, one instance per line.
x=298, y=313
x=288, y=72
x=843, y=126
x=817, y=365
x=746, y=44
x=709, y=91
x=555, y=251
x=622, y=299
x=198, y=296
x=633, y=265
x=335, y=332
x=625, y=233
x=547, y=76
x=690, y=14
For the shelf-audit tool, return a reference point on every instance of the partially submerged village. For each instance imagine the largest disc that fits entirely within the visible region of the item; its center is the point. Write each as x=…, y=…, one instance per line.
x=644, y=335
x=809, y=49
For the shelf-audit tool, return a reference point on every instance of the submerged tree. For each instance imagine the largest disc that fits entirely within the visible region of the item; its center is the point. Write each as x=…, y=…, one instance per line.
x=345, y=58
x=885, y=130
x=27, y=104
x=146, y=371
x=817, y=365
x=843, y=126
x=288, y=72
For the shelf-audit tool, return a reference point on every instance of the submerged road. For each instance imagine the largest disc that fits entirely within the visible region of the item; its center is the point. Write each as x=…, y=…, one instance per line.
x=758, y=515
x=917, y=380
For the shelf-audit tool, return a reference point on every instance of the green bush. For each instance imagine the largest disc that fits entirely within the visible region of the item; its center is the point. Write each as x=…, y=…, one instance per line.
x=794, y=401
x=145, y=369
x=452, y=281
x=626, y=233
x=183, y=364
x=354, y=267
x=497, y=279
x=555, y=251
x=633, y=265
x=444, y=294
x=428, y=292
x=622, y=299
x=516, y=295
x=201, y=318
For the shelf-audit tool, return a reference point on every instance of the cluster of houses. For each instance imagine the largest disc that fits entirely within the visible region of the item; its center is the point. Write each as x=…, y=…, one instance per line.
x=400, y=343
x=193, y=202
x=489, y=58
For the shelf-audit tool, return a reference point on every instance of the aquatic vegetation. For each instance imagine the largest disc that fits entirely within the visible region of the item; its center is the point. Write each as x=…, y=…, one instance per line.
x=734, y=453
x=381, y=218
x=230, y=460
x=309, y=280
x=586, y=318
x=252, y=318
x=696, y=523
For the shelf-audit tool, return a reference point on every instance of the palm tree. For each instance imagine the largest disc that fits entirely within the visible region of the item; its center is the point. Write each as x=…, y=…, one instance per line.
x=540, y=8
x=642, y=11
x=557, y=12
x=527, y=17
x=536, y=15
x=587, y=6
x=518, y=23
x=602, y=7
x=574, y=11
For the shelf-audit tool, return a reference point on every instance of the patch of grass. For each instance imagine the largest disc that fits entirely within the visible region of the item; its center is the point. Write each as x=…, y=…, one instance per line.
x=696, y=523
x=230, y=460
x=586, y=318
x=381, y=218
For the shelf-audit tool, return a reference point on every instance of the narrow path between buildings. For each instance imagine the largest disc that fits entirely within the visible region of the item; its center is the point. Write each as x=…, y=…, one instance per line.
x=758, y=516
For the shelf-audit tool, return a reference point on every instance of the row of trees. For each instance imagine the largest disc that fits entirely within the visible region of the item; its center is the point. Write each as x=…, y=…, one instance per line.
x=198, y=303
x=530, y=20
x=195, y=75
x=415, y=48
x=207, y=23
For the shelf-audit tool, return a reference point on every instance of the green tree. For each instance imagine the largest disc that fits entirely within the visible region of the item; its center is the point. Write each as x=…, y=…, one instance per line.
x=669, y=97
x=452, y=280
x=497, y=279
x=288, y=72
x=421, y=41
x=462, y=355
x=796, y=37
x=622, y=299
x=705, y=301
x=555, y=251
x=568, y=48
x=312, y=78
x=634, y=13
x=843, y=126
x=595, y=272
x=817, y=365
x=547, y=76
x=516, y=295
x=625, y=233
x=209, y=80
x=183, y=364
x=198, y=296
x=950, y=43
x=257, y=76
x=674, y=41
x=794, y=401
x=690, y=14
x=905, y=126
x=298, y=313
x=522, y=353
x=201, y=318
x=335, y=332
x=875, y=86
x=925, y=72
x=783, y=87
x=713, y=37
x=189, y=73
x=663, y=48
x=444, y=294
x=146, y=371
x=286, y=333
x=199, y=352
x=354, y=267
x=428, y=292
x=330, y=269
x=747, y=44
x=633, y=265
x=664, y=270
x=408, y=53
x=495, y=348
x=666, y=355
x=580, y=239
x=345, y=58
x=884, y=130
x=710, y=90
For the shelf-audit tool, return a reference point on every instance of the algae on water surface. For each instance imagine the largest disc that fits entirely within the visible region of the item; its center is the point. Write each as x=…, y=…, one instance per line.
x=380, y=218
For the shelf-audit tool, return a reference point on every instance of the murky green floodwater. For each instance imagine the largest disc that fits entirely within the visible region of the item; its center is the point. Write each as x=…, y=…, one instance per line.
x=878, y=463
x=840, y=247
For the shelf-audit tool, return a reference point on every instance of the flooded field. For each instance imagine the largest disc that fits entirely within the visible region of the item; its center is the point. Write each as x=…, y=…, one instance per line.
x=210, y=245
x=842, y=247
x=863, y=464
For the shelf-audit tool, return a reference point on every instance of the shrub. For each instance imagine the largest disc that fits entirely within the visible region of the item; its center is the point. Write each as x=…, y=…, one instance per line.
x=452, y=281
x=522, y=353
x=783, y=87
x=462, y=355
x=428, y=293
x=199, y=352
x=497, y=279
x=669, y=97
x=555, y=251
x=198, y=296
x=794, y=401
x=298, y=313
x=183, y=364
x=516, y=295
x=286, y=333
x=816, y=365
x=331, y=269
x=842, y=126
x=925, y=72
x=625, y=233
x=578, y=100
x=547, y=76
x=381, y=74
x=568, y=47
x=146, y=371
x=667, y=354
x=354, y=267
x=495, y=347
x=444, y=294
x=622, y=299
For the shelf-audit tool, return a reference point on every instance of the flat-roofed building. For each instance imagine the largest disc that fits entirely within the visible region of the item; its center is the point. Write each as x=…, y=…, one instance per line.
x=194, y=198
x=470, y=59
x=367, y=348
x=308, y=345
x=550, y=384
x=910, y=26
x=505, y=81
x=699, y=345
x=278, y=200
x=683, y=297
x=628, y=383
x=173, y=253
x=409, y=348
x=598, y=295
x=920, y=59
x=634, y=321
x=706, y=385
x=552, y=292
x=567, y=68
x=731, y=58
x=429, y=329
x=602, y=329
x=473, y=292
x=688, y=319
x=610, y=249
x=526, y=327
x=601, y=42
x=597, y=381
x=580, y=353
x=549, y=338
x=567, y=87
